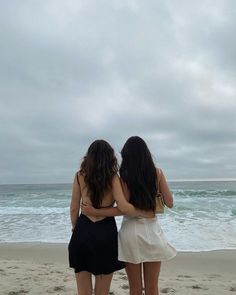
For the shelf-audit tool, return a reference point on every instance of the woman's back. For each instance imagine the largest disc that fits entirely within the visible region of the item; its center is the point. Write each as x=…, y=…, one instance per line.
x=107, y=199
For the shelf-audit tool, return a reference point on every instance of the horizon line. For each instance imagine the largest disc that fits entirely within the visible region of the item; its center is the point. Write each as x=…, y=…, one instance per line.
x=170, y=180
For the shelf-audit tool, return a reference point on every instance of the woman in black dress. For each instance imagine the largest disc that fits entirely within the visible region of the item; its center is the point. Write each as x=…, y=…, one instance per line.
x=93, y=248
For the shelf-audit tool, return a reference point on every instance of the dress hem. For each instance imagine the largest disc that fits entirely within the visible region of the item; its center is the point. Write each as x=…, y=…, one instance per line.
x=97, y=273
x=148, y=260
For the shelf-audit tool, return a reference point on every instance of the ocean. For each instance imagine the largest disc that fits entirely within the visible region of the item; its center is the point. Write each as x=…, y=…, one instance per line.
x=203, y=217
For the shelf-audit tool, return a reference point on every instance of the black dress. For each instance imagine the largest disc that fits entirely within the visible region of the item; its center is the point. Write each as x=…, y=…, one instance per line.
x=94, y=246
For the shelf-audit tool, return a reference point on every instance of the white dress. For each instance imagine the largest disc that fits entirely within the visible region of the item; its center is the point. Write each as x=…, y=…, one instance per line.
x=142, y=240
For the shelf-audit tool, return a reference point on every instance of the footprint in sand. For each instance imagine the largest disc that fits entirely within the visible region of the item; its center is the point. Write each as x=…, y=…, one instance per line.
x=214, y=276
x=125, y=287
x=2, y=272
x=232, y=289
x=20, y=292
x=56, y=271
x=57, y=289
x=184, y=276
x=197, y=287
x=68, y=279
x=168, y=290
x=48, y=264
x=31, y=269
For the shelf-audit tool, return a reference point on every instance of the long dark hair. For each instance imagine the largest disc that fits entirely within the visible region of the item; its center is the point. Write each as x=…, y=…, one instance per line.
x=138, y=171
x=98, y=168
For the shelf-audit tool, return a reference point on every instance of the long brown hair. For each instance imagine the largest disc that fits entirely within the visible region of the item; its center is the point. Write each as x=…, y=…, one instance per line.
x=98, y=168
x=138, y=171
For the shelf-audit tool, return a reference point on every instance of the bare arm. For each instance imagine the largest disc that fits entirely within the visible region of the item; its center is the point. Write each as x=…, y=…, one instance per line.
x=75, y=202
x=123, y=206
x=88, y=209
x=164, y=189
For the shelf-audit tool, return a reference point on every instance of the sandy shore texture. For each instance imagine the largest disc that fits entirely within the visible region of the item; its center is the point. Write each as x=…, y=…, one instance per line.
x=42, y=268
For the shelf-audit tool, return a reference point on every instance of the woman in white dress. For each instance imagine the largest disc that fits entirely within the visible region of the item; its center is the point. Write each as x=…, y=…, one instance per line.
x=141, y=241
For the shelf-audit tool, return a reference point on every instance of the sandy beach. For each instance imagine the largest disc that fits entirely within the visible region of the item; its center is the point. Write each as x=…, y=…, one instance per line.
x=42, y=268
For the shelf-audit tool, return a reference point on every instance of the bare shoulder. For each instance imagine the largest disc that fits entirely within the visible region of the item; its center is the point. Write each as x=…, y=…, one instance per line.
x=80, y=178
x=158, y=170
x=116, y=186
x=116, y=180
x=79, y=175
x=159, y=173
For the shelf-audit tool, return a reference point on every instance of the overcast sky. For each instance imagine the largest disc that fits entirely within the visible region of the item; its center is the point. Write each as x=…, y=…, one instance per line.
x=75, y=71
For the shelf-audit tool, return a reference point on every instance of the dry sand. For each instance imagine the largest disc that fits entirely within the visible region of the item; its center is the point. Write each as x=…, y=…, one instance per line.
x=42, y=268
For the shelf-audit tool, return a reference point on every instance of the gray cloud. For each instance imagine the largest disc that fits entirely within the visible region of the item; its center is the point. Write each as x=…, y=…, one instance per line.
x=73, y=72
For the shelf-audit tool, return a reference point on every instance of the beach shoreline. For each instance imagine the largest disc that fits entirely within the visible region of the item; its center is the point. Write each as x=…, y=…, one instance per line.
x=42, y=268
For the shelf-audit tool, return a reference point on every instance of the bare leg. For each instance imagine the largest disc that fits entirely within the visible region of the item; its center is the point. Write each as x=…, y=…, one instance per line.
x=151, y=272
x=102, y=284
x=134, y=273
x=84, y=283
